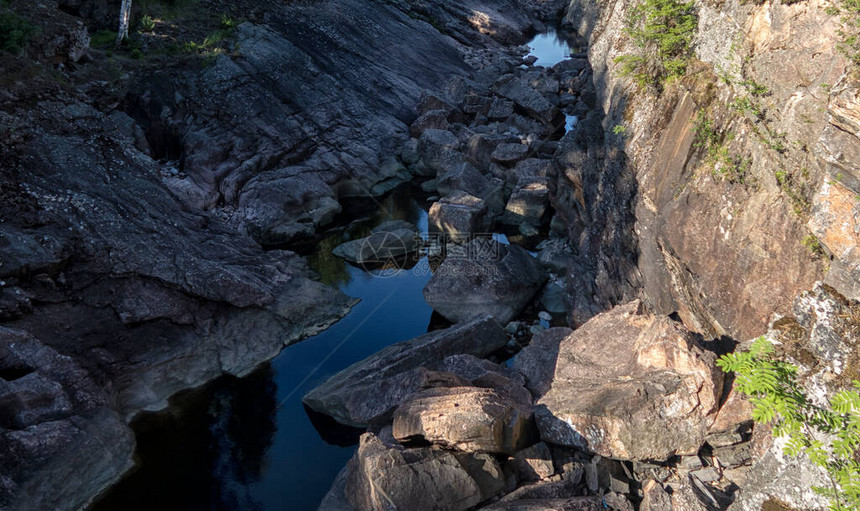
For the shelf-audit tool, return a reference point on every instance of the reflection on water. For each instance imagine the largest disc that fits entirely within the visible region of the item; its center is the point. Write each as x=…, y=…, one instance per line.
x=550, y=48
x=202, y=452
x=248, y=443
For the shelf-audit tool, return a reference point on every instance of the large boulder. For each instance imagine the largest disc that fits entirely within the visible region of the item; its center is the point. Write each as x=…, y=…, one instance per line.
x=439, y=149
x=536, y=362
x=526, y=98
x=528, y=203
x=489, y=278
x=385, y=476
x=509, y=154
x=468, y=419
x=459, y=216
x=631, y=385
x=372, y=388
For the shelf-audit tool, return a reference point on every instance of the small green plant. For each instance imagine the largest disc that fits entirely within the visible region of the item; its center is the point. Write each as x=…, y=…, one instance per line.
x=811, y=242
x=664, y=30
x=756, y=89
x=227, y=22
x=15, y=32
x=746, y=105
x=147, y=24
x=829, y=435
x=619, y=129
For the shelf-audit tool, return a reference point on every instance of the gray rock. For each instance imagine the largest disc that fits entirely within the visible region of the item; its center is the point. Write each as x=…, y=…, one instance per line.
x=509, y=154
x=440, y=150
x=385, y=476
x=374, y=387
x=526, y=98
x=464, y=177
x=500, y=109
x=492, y=278
x=52, y=416
x=433, y=119
x=335, y=499
x=536, y=362
x=527, y=204
x=459, y=216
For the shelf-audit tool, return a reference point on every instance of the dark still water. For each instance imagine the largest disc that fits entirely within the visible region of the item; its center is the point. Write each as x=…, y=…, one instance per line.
x=249, y=443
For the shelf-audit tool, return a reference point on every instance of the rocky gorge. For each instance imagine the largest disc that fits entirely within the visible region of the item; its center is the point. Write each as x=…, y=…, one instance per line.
x=589, y=247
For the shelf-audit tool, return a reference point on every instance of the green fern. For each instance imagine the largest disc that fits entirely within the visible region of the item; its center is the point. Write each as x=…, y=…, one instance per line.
x=777, y=398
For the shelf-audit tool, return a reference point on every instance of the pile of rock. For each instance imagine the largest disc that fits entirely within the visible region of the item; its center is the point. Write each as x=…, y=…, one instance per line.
x=487, y=144
x=624, y=411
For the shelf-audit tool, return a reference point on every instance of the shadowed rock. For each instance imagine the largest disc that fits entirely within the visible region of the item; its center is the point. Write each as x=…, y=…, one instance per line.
x=384, y=476
x=488, y=278
x=375, y=386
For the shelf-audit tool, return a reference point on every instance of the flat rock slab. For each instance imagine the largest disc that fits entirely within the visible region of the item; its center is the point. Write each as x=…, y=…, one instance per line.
x=384, y=476
x=469, y=419
x=526, y=98
x=488, y=278
x=374, y=387
x=631, y=385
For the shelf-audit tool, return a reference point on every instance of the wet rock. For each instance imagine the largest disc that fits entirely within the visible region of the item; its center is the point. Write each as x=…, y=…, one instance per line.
x=468, y=419
x=380, y=247
x=374, y=387
x=384, y=476
x=434, y=119
x=536, y=362
x=625, y=378
x=509, y=154
x=491, y=278
x=526, y=98
x=532, y=463
x=458, y=216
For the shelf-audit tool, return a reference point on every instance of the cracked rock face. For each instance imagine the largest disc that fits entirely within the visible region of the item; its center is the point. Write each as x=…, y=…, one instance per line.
x=631, y=385
x=53, y=416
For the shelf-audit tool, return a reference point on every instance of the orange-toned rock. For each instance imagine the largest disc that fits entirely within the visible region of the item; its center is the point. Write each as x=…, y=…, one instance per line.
x=631, y=385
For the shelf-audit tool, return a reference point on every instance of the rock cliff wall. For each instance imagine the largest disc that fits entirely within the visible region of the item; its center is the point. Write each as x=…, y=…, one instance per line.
x=741, y=175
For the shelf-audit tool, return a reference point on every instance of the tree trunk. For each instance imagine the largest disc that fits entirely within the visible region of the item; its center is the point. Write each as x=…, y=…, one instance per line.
x=124, y=15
